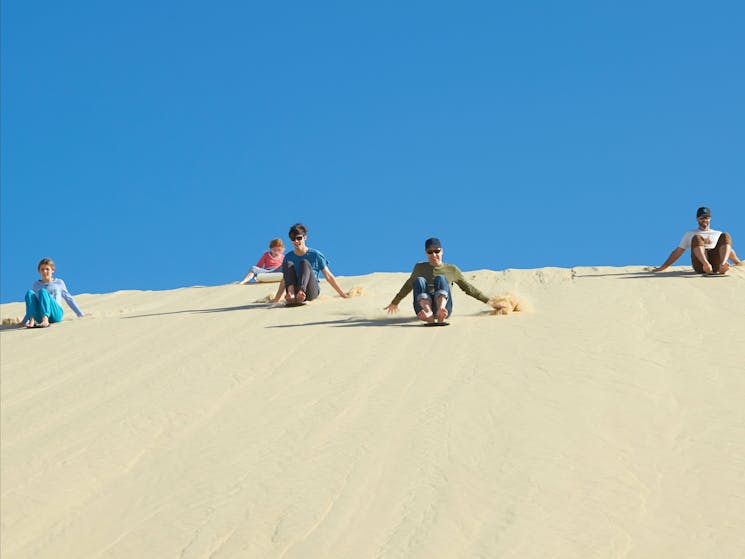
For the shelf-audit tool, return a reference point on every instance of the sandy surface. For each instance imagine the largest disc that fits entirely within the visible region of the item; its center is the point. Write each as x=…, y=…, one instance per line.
x=607, y=421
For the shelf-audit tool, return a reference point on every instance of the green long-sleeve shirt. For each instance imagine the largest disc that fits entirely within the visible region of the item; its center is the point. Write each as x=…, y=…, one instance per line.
x=428, y=272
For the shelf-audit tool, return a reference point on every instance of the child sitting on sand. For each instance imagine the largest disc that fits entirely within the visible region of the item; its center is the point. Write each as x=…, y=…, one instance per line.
x=44, y=299
x=270, y=261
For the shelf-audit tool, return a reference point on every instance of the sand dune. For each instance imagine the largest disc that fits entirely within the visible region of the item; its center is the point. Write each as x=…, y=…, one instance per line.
x=604, y=421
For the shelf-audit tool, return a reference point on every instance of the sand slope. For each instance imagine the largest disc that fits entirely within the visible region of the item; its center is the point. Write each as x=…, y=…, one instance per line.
x=607, y=421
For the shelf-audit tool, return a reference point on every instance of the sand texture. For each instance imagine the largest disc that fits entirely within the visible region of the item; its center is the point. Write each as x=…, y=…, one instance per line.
x=606, y=419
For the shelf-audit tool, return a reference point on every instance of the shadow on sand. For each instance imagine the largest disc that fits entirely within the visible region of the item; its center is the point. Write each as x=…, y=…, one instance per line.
x=643, y=275
x=205, y=311
x=357, y=322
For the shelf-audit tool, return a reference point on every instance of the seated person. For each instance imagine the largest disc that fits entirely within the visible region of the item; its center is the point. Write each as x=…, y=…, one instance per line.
x=431, y=282
x=301, y=269
x=711, y=250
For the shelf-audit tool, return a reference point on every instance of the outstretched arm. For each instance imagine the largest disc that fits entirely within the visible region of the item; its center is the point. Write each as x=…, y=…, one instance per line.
x=69, y=300
x=674, y=255
x=332, y=281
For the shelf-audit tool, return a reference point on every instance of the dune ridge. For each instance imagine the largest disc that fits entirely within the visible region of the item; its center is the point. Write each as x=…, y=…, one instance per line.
x=604, y=420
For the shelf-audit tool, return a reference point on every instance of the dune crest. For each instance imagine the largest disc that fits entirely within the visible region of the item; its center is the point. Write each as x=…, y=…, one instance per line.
x=203, y=422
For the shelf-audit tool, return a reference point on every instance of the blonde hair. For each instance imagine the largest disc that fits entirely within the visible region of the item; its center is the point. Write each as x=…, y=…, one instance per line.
x=45, y=262
x=276, y=243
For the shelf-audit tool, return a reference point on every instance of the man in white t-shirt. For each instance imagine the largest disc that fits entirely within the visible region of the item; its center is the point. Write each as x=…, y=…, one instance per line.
x=710, y=250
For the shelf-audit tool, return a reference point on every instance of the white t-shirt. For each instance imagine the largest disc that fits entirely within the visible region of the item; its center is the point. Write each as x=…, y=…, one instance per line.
x=710, y=238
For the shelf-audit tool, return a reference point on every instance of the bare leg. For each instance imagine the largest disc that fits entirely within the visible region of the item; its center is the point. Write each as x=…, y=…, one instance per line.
x=725, y=252
x=248, y=278
x=442, y=312
x=700, y=253
x=426, y=313
x=290, y=295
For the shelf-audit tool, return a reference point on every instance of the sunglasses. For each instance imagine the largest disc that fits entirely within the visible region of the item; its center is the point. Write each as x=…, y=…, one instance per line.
x=297, y=238
x=434, y=251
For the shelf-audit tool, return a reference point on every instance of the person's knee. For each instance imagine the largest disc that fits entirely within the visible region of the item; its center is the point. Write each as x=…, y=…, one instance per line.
x=724, y=239
x=442, y=286
x=698, y=241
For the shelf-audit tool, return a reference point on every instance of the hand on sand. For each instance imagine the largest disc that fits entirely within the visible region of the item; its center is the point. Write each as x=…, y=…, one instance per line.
x=391, y=309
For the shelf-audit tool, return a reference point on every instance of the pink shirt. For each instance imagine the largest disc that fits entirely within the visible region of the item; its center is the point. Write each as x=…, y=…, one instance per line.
x=268, y=262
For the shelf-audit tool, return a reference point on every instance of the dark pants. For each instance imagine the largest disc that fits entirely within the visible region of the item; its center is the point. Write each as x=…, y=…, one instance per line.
x=302, y=280
x=442, y=287
x=712, y=254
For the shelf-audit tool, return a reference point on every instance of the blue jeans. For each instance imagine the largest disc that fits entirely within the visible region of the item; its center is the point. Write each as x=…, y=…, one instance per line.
x=41, y=305
x=442, y=287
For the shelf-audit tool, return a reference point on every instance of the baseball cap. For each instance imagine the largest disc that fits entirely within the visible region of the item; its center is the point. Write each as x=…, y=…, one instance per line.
x=703, y=212
x=432, y=242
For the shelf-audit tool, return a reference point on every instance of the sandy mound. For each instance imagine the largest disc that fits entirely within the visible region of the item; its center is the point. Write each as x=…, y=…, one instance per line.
x=607, y=422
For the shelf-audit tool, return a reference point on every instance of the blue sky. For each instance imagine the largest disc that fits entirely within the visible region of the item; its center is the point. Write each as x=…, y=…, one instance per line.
x=154, y=145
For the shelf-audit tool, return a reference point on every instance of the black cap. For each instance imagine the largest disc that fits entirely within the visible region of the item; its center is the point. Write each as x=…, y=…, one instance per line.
x=703, y=212
x=432, y=242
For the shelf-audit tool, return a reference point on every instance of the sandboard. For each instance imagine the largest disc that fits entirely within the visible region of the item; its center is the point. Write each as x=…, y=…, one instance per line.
x=435, y=323
x=715, y=275
x=295, y=304
x=269, y=277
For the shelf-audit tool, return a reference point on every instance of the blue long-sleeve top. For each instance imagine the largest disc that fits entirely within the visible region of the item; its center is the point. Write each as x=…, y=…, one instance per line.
x=58, y=290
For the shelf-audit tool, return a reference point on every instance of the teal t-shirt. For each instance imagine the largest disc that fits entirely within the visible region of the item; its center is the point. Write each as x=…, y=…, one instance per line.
x=316, y=259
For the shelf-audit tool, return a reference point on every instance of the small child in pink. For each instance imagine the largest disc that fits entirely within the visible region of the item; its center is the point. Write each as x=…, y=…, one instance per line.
x=270, y=261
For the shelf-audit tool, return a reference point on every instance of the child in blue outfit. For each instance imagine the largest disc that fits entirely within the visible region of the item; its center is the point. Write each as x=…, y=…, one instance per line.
x=44, y=299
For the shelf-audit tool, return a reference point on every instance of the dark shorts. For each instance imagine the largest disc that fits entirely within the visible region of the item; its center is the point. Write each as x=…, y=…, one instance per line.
x=712, y=254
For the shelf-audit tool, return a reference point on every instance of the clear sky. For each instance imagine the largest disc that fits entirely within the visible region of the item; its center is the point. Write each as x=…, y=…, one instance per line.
x=155, y=145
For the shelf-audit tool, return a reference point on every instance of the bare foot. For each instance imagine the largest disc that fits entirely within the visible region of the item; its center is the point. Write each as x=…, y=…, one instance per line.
x=708, y=270
x=44, y=322
x=290, y=295
x=301, y=296
x=30, y=323
x=724, y=268
x=442, y=314
x=426, y=313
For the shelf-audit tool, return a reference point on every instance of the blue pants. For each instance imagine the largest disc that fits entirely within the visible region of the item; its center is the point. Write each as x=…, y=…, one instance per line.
x=442, y=287
x=41, y=305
